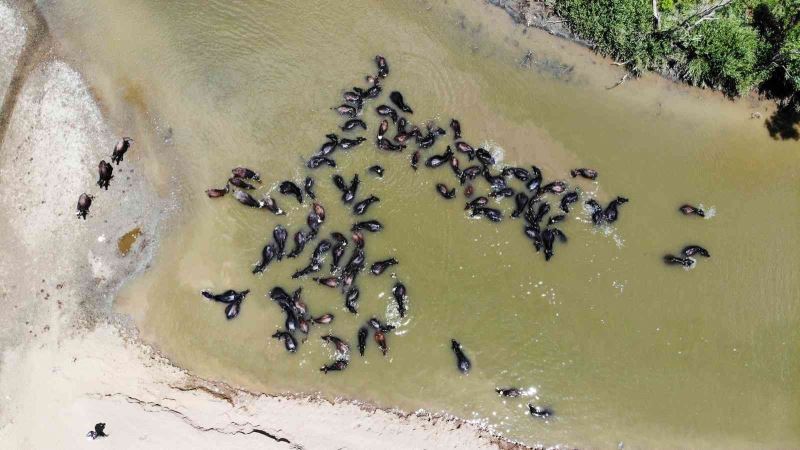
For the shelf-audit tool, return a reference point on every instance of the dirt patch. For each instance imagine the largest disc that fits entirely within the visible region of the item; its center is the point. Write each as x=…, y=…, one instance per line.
x=127, y=240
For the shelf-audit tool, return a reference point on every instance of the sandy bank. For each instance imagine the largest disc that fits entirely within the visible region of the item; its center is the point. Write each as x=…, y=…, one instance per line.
x=66, y=361
x=12, y=35
x=97, y=375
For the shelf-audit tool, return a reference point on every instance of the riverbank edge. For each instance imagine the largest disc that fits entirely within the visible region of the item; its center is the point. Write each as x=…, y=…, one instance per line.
x=67, y=360
x=782, y=123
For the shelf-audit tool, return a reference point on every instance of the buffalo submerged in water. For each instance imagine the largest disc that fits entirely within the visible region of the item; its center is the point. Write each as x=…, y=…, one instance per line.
x=523, y=194
x=532, y=199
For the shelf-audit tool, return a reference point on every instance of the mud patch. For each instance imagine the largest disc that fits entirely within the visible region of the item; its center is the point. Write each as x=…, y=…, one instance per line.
x=127, y=240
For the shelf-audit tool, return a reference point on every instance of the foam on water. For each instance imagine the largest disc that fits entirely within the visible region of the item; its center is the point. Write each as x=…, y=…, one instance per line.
x=497, y=152
x=710, y=211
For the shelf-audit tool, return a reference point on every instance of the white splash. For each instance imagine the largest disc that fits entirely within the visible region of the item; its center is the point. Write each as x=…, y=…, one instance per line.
x=498, y=153
x=393, y=318
x=710, y=212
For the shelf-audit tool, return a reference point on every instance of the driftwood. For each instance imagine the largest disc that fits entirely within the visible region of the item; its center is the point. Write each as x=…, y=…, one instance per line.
x=694, y=19
x=656, y=15
x=706, y=14
x=621, y=80
x=527, y=60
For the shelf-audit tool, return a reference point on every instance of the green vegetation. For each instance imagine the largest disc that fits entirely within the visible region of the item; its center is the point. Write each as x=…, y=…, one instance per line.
x=724, y=54
x=731, y=45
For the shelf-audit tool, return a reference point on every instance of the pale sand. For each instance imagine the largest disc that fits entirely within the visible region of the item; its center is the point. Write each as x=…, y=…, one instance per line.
x=97, y=376
x=67, y=362
x=12, y=38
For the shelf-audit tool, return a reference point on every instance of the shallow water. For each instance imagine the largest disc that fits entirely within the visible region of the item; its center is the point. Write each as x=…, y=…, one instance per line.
x=623, y=348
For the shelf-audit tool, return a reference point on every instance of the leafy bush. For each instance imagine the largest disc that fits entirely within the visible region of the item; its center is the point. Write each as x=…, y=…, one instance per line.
x=725, y=55
x=790, y=54
x=619, y=28
x=733, y=46
x=668, y=6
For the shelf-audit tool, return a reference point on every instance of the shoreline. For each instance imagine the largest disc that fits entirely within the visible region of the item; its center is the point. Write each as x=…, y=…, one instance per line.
x=83, y=361
x=535, y=15
x=781, y=123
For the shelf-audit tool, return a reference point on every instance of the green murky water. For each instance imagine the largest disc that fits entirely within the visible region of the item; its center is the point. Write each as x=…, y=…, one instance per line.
x=623, y=348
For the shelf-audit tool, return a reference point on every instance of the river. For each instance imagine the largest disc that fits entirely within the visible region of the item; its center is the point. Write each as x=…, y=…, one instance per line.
x=623, y=348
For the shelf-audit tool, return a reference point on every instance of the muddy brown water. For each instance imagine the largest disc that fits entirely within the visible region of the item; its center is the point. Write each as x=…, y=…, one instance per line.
x=623, y=348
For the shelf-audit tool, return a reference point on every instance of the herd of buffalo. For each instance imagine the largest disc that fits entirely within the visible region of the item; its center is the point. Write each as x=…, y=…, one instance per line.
x=106, y=173
x=531, y=196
